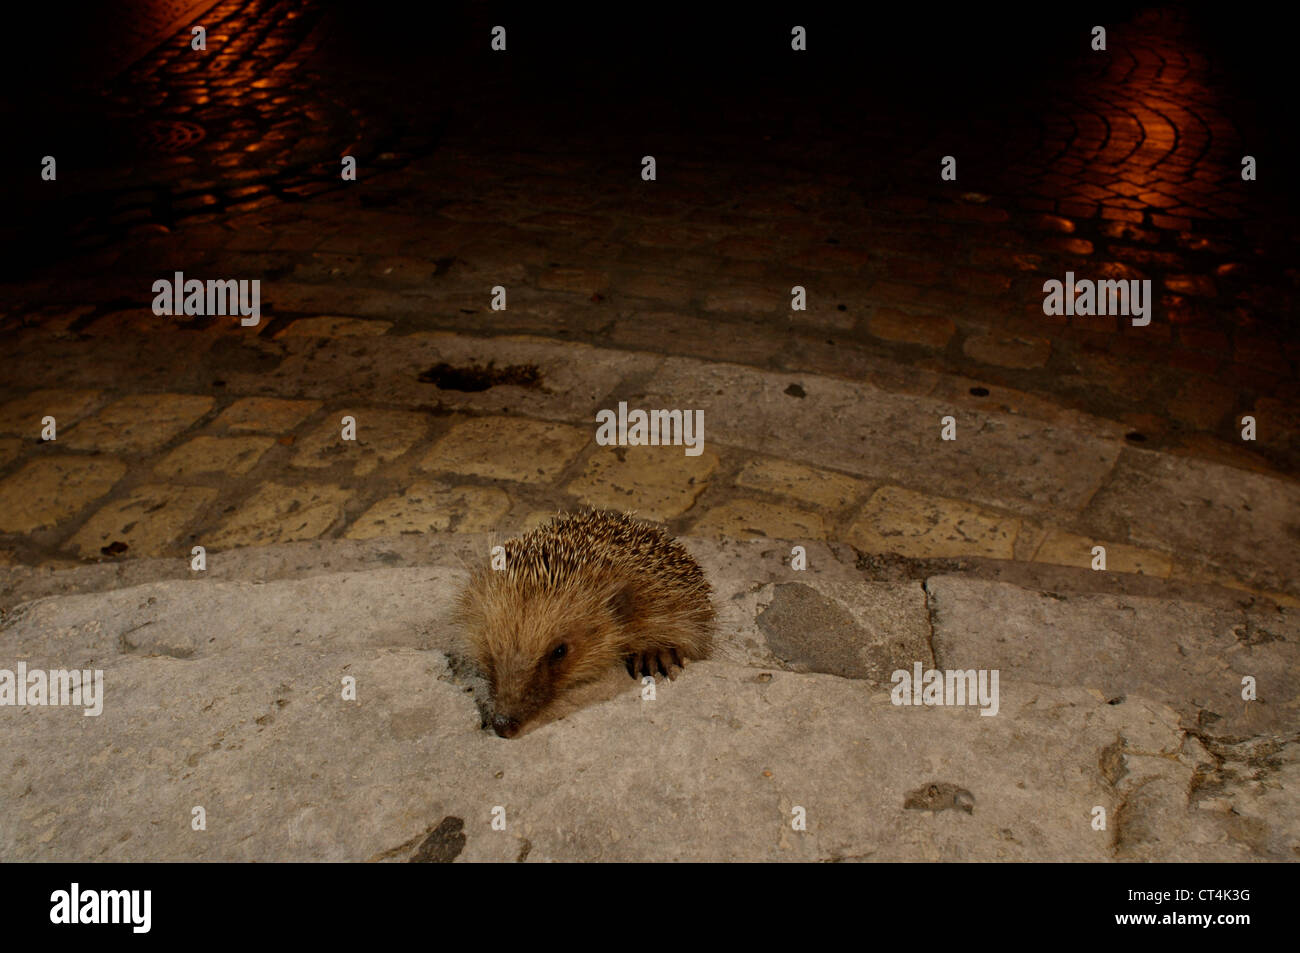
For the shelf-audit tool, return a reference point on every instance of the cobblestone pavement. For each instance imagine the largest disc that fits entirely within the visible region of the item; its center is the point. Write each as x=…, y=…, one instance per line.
x=925, y=298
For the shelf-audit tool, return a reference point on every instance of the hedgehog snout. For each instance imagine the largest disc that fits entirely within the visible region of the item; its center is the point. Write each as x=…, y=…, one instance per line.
x=504, y=726
x=517, y=696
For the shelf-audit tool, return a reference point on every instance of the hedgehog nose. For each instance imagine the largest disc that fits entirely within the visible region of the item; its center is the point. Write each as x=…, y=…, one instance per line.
x=505, y=727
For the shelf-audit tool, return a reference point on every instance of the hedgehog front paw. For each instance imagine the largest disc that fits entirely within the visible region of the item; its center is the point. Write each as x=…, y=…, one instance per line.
x=654, y=662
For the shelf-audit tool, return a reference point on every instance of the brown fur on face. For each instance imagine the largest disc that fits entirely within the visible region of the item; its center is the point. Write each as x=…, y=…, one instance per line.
x=577, y=597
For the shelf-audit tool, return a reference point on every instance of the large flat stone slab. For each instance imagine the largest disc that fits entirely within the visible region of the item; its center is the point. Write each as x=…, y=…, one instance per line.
x=1190, y=657
x=1028, y=466
x=286, y=770
x=233, y=703
x=1244, y=523
x=386, y=369
x=193, y=619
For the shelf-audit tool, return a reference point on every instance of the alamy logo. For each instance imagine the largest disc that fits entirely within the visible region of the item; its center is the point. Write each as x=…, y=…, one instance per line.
x=103, y=906
x=945, y=688
x=640, y=428
x=58, y=686
x=228, y=296
x=1087, y=297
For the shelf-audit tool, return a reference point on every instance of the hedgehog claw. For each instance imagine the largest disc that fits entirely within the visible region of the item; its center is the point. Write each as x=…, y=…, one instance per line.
x=655, y=662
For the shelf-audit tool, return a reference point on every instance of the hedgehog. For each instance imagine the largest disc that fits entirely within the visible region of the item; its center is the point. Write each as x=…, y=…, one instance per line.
x=578, y=596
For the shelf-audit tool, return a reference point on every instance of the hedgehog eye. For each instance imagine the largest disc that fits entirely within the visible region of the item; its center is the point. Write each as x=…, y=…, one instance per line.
x=559, y=652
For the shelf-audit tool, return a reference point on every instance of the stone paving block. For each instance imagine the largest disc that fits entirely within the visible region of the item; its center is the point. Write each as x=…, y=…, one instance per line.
x=809, y=484
x=266, y=414
x=149, y=521
x=139, y=423
x=430, y=507
x=1172, y=223
x=657, y=483
x=11, y=449
x=925, y=329
x=673, y=290
x=1202, y=403
x=1068, y=549
x=896, y=520
x=915, y=272
x=135, y=321
x=1204, y=338
x=23, y=416
x=568, y=222
x=507, y=448
x=45, y=492
x=1197, y=285
x=830, y=258
x=300, y=296
x=381, y=436
x=820, y=315
x=1006, y=350
x=578, y=280
x=669, y=332
x=672, y=235
x=1032, y=535
x=747, y=248
x=330, y=326
x=981, y=282
x=57, y=317
x=1128, y=379
x=278, y=514
x=232, y=456
x=399, y=268
x=326, y=267
x=1276, y=421
x=1209, y=448
x=997, y=257
x=755, y=300
x=1002, y=460
x=754, y=519
x=1069, y=246
x=1243, y=523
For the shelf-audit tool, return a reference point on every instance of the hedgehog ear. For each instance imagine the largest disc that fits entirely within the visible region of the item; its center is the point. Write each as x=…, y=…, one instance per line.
x=622, y=604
